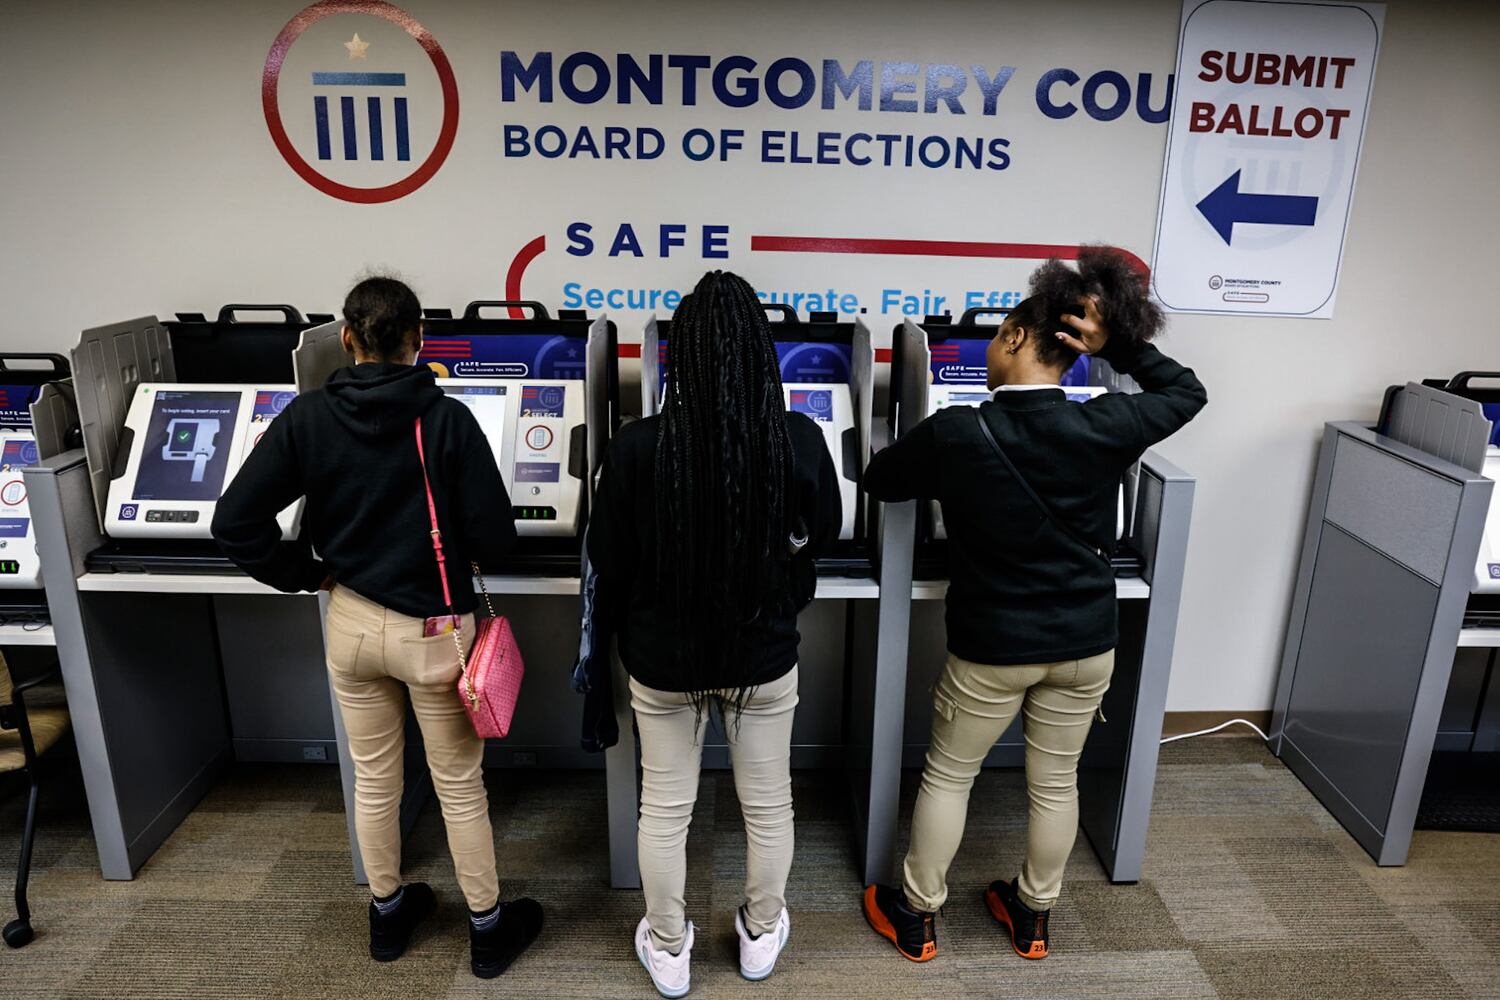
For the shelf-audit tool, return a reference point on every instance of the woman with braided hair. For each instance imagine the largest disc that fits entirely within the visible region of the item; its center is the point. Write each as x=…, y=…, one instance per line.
x=705, y=525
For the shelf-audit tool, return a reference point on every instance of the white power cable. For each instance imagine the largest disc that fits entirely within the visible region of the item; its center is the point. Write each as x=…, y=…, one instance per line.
x=1215, y=729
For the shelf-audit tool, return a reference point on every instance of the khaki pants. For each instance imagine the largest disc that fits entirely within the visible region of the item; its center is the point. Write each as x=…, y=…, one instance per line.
x=378, y=658
x=671, y=754
x=973, y=705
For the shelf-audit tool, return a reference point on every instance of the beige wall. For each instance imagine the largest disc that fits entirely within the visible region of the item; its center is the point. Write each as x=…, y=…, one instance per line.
x=136, y=177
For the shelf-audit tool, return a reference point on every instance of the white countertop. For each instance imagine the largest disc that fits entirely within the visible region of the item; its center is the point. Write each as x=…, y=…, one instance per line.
x=27, y=635
x=1480, y=637
x=1126, y=589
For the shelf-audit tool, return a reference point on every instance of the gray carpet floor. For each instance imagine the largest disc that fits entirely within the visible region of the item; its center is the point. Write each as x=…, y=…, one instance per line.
x=1251, y=891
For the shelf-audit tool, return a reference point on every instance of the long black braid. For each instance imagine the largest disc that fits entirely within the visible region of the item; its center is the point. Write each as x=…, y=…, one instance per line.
x=723, y=476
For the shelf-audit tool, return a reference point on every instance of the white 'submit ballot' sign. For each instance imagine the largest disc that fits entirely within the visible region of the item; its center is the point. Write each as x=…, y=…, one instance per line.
x=1267, y=121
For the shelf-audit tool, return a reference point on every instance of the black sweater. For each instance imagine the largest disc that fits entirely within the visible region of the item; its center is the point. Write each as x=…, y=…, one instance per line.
x=1021, y=591
x=350, y=449
x=622, y=554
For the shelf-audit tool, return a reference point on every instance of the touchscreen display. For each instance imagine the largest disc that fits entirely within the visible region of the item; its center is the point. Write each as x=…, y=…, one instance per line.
x=185, y=451
x=513, y=355
x=487, y=402
x=18, y=455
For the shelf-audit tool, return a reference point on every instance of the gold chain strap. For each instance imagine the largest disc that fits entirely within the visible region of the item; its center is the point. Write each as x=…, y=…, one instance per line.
x=458, y=642
x=474, y=566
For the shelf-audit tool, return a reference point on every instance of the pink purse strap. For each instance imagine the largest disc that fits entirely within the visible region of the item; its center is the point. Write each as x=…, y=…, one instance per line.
x=442, y=564
x=437, y=534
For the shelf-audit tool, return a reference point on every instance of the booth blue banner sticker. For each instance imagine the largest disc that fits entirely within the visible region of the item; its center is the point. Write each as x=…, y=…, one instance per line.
x=542, y=400
x=490, y=355
x=13, y=527
x=801, y=361
x=270, y=403
x=962, y=362
x=816, y=403
x=15, y=405
x=538, y=472
x=19, y=455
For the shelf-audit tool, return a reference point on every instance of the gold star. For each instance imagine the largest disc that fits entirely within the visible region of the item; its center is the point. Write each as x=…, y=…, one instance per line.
x=356, y=47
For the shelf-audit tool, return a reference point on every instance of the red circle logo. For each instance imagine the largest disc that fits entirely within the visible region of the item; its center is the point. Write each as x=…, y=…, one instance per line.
x=271, y=76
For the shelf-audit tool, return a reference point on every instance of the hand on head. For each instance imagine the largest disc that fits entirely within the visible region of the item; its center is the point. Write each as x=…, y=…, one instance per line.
x=1091, y=332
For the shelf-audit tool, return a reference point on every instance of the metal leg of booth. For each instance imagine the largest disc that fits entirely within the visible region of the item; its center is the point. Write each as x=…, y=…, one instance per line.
x=148, y=719
x=880, y=794
x=622, y=789
x=1116, y=819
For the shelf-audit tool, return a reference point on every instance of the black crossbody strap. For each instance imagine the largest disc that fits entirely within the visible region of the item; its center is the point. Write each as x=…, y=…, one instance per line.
x=1061, y=525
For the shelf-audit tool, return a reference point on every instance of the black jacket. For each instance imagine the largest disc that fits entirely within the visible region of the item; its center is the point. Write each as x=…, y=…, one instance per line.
x=622, y=590
x=351, y=450
x=1021, y=591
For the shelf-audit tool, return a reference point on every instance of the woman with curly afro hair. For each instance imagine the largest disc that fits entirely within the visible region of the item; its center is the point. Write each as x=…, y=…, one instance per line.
x=1028, y=483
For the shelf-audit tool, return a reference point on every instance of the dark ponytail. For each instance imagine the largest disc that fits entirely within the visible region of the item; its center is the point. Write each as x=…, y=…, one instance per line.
x=1125, y=304
x=723, y=476
x=384, y=315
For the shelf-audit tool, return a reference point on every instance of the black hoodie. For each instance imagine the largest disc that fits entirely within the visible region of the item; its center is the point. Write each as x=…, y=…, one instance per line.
x=351, y=450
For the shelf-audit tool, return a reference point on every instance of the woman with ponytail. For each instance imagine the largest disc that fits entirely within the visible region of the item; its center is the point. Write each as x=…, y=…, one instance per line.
x=706, y=522
x=1027, y=483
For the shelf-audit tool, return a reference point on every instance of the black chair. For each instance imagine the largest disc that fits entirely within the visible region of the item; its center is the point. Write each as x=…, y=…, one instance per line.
x=26, y=732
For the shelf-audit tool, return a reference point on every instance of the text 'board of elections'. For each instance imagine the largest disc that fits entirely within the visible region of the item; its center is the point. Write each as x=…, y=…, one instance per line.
x=1267, y=123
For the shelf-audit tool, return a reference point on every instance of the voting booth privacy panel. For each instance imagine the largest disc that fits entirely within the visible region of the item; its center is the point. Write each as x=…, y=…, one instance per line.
x=1394, y=589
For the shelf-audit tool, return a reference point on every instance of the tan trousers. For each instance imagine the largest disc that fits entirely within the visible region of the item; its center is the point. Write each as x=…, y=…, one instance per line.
x=378, y=658
x=973, y=705
x=671, y=755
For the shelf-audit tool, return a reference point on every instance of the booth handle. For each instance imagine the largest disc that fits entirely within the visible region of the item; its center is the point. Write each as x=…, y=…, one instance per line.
x=289, y=313
x=538, y=311
x=967, y=319
x=787, y=313
x=55, y=362
x=1462, y=379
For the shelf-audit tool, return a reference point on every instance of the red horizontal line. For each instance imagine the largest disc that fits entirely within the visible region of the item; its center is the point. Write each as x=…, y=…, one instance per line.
x=882, y=354
x=925, y=248
x=928, y=248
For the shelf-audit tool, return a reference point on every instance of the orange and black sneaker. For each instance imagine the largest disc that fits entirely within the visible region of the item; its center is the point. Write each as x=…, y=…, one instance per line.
x=1028, y=927
x=913, y=932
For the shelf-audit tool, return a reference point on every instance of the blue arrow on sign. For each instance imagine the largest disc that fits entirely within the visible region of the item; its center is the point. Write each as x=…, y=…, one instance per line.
x=1226, y=205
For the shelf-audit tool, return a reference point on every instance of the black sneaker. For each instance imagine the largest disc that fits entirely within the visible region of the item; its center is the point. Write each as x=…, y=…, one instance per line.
x=1028, y=927
x=491, y=951
x=913, y=932
x=391, y=932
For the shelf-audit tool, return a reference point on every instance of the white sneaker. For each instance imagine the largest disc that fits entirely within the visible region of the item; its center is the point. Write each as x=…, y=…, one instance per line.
x=758, y=955
x=670, y=974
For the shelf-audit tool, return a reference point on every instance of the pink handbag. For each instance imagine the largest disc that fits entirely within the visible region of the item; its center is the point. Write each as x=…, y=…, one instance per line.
x=490, y=679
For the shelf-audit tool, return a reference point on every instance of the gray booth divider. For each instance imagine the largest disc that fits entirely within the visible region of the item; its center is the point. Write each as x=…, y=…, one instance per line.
x=1387, y=564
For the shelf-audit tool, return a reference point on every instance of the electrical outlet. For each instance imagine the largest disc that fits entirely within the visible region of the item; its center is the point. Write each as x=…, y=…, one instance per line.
x=315, y=753
x=523, y=758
